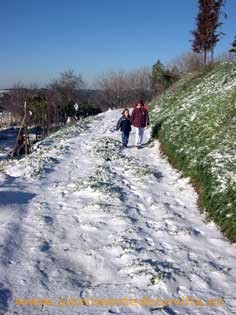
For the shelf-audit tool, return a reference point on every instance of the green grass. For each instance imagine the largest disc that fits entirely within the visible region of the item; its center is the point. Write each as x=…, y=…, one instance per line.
x=196, y=123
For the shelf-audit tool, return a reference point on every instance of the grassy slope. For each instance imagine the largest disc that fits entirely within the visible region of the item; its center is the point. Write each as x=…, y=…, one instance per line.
x=198, y=133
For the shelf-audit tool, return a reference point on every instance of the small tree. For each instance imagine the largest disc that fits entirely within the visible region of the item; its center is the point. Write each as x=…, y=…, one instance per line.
x=38, y=107
x=162, y=78
x=70, y=109
x=233, y=49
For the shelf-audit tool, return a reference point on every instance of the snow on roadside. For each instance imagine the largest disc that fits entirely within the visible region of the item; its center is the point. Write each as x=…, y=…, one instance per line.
x=98, y=221
x=45, y=153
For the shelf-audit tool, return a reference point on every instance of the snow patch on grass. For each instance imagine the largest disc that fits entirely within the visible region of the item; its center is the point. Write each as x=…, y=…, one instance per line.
x=198, y=131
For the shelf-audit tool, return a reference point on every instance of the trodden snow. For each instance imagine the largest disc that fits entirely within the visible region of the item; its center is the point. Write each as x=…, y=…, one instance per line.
x=83, y=218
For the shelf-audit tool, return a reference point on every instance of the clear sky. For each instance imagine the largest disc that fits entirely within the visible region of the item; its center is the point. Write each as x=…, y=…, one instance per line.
x=41, y=38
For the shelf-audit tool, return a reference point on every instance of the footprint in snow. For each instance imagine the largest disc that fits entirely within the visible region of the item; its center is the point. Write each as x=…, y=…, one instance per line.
x=153, y=225
x=149, y=241
x=45, y=246
x=48, y=220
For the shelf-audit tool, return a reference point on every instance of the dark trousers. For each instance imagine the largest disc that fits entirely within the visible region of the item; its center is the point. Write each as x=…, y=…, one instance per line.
x=125, y=138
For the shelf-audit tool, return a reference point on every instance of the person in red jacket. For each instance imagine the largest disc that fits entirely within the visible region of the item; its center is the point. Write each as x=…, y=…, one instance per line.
x=140, y=120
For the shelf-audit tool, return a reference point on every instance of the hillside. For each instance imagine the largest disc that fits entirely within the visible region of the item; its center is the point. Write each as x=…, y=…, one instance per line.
x=196, y=124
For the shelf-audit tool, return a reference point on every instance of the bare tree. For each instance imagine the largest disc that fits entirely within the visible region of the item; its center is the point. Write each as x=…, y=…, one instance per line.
x=111, y=86
x=15, y=101
x=186, y=63
x=122, y=88
x=226, y=56
x=139, y=82
x=63, y=93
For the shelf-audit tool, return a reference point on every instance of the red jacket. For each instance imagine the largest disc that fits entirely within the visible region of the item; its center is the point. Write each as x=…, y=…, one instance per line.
x=140, y=117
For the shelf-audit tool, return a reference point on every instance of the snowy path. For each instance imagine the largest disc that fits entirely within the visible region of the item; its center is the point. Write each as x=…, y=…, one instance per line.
x=82, y=218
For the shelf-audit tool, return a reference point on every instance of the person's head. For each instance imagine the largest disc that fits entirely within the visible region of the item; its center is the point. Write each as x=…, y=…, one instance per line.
x=125, y=112
x=139, y=103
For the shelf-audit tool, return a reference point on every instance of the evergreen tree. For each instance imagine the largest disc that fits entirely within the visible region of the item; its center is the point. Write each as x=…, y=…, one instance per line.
x=207, y=33
x=162, y=78
x=233, y=49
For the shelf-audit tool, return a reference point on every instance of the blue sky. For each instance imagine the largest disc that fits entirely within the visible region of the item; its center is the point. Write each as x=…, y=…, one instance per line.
x=40, y=39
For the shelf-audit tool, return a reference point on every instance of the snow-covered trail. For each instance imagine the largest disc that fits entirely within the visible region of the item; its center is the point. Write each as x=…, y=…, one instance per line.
x=84, y=218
